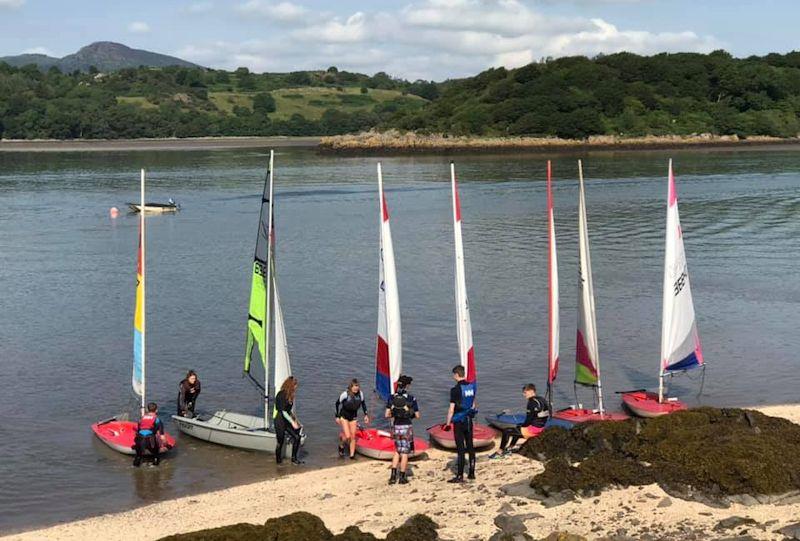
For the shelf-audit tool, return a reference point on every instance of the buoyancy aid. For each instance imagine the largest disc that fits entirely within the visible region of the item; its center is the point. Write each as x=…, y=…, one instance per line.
x=465, y=408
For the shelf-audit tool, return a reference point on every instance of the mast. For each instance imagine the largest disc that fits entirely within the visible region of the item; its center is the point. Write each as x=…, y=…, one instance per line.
x=587, y=355
x=268, y=322
x=144, y=297
x=552, y=271
x=463, y=323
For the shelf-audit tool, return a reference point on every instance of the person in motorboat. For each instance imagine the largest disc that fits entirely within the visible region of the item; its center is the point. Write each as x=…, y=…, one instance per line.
x=286, y=423
x=402, y=408
x=188, y=391
x=536, y=415
x=149, y=435
x=347, y=406
x=463, y=409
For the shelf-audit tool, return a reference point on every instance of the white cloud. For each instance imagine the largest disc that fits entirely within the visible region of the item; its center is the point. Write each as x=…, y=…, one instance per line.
x=277, y=11
x=430, y=39
x=11, y=4
x=199, y=7
x=139, y=27
x=39, y=50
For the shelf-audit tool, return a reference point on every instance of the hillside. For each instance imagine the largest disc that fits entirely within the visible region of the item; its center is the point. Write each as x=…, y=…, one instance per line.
x=102, y=55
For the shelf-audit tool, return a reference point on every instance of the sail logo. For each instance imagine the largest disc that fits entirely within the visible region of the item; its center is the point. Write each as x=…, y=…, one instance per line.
x=680, y=282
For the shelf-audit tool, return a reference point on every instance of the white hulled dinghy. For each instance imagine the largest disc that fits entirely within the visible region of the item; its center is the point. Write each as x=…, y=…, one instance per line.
x=680, y=342
x=120, y=434
x=264, y=322
x=482, y=435
x=374, y=442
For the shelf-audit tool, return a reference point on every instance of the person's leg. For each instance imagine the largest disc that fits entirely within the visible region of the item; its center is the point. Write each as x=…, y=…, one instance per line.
x=154, y=446
x=469, y=441
x=353, y=425
x=294, y=435
x=137, y=447
x=395, y=463
x=403, y=468
x=458, y=435
x=280, y=435
x=344, y=434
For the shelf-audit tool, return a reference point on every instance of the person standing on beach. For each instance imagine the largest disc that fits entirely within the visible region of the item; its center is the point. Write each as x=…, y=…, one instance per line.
x=149, y=435
x=462, y=409
x=286, y=423
x=347, y=406
x=188, y=391
x=537, y=413
x=402, y=409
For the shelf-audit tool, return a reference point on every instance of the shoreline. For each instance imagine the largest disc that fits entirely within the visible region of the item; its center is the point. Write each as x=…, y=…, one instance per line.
x=357, y=494
x=127, y=145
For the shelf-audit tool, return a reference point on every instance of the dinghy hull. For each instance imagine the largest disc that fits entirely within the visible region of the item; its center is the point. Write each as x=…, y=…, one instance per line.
x=505, y=420
x=379, y=444
x=154, y=208
x=646, y=404
x=119, y=435
x=583, y=415
x=482, y=436
x=231, y=430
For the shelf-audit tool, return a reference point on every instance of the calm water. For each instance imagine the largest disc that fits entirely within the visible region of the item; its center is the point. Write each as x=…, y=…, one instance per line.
x=67, y=279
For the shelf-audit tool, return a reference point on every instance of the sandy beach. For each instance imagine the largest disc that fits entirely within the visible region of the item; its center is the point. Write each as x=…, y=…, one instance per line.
x=357, y=494
x=194, y=143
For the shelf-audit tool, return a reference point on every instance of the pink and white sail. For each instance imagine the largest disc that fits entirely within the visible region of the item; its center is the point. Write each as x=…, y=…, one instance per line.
x=464, y=326
x=680, y=342
x=389, y=352
x=552, y=356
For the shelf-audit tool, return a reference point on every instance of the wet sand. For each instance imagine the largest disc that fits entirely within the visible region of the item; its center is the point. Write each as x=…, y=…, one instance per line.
x=194, y=143
x=357, y=494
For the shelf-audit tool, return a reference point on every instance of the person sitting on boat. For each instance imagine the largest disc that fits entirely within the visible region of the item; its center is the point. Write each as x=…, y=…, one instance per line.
x=188, y=391
x=347, y=406
x=462, y=410
x=537, y=413
x=149, y=435
x=286, y=423
x=402, y=409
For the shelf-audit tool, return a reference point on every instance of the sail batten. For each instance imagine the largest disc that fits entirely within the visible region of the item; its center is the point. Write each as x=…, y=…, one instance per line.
x=553, y=304
x=680, y=341
x=389, y=348
x=466, y=349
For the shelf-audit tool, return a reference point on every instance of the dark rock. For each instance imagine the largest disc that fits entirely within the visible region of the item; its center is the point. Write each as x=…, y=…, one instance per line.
x=503, y=536
x=733, y=522
x=235, y=532
x=529, y=516
x=506, y=508
x=416, y=528
x=352, y=533
x=665, y=502
x=510, y=524
x=790, y=531
x=564, y=536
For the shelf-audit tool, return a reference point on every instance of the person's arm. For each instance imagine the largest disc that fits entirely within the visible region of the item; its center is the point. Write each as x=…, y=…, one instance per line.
x=159, y=426
x=455, y=398
x=416, y=409
x=364, y=407
x=450, y=413
x=338, y=405
x=197, y=390
x=182, y=406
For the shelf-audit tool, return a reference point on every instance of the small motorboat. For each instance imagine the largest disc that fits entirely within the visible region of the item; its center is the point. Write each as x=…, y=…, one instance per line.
x=506, y=419
x=646, y=404
x=379, y=444
x=577, y=415
x=482, y=435
x=119, y=435
x=155, y=208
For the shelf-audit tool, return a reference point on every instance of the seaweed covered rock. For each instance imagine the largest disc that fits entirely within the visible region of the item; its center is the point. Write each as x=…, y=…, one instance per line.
x=416, y=528
x=235, y=532
x=716, y=452
x=353, y=533
x=300, y=526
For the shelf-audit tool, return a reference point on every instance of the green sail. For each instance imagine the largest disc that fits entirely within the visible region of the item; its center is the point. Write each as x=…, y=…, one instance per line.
x=257, y=323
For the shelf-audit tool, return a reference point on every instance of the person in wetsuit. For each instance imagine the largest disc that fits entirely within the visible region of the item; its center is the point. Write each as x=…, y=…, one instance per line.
x=286, y=423
x=402, y=409
x=347, y=406
x=188, y=391
x=149, y=433
x=537, y=413
x=462, y=409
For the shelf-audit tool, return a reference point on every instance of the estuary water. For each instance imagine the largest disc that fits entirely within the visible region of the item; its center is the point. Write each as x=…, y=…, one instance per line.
x=67, y=277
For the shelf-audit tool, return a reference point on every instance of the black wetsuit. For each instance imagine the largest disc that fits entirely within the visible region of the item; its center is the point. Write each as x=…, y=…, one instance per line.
x=283, y=416
x=187, y=397
x=535, y=407
x=462, y=432
x=148, y=440
x=347, y=405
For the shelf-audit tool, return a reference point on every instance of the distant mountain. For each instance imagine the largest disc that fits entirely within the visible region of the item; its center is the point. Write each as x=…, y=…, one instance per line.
x=104, y=55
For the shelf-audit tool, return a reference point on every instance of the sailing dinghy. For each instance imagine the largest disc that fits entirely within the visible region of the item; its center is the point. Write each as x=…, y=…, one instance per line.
x=155, y=208
x=482, y=435
x=680, y=342
x=587, y=357
x=373, y=442
x=264, y=321
x=119, y=434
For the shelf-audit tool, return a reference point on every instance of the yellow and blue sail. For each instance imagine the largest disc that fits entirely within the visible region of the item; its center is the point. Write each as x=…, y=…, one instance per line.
x=257, y=323
x=138, y=321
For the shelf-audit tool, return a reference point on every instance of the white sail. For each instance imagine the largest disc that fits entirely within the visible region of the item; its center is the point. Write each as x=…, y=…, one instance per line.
x=552, y=357
x=282, y=365
x=587, y=356
x=464, y=325
x=680, y=342
x=389, y=351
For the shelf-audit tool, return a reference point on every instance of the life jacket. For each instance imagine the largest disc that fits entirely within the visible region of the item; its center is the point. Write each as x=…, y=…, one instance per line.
x=402, y=407
x=351, y=403
x=465, y=408
x=147, y=424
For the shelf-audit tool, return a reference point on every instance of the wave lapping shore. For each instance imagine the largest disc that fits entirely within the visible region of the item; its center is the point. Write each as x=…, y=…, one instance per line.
x=357, y=495
x=394, y=141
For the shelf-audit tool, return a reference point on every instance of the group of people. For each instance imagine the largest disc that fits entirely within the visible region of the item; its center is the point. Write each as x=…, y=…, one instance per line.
x=401, y=410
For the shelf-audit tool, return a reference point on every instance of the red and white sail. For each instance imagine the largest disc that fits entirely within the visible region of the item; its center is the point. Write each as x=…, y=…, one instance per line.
x=587, y=356
x=552, y=356
x=680, y=342
x=464, y=326
x=389, y=353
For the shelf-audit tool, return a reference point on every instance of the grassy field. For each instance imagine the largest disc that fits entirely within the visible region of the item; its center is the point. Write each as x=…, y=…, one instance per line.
x=309, y=102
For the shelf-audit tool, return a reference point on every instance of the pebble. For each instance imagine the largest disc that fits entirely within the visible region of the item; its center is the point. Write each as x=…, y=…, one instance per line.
x=665, y=502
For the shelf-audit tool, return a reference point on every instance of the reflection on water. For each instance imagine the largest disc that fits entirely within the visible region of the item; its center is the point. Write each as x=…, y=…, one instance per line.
x=67, y=278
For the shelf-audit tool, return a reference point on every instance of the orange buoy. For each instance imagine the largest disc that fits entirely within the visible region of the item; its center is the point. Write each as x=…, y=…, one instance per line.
x=113, y=212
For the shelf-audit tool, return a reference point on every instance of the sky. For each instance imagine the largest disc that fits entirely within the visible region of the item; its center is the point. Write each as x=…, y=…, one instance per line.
x=412, y=39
